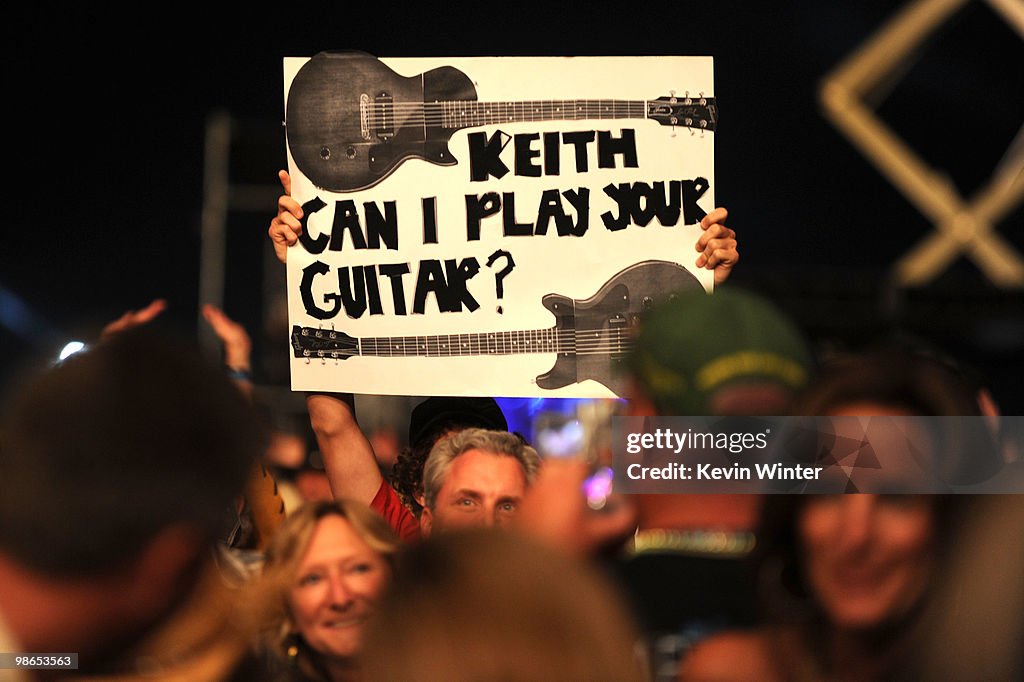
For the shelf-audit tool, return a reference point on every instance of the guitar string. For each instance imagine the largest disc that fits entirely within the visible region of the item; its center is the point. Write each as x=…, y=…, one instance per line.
x=578, y=104
x=540, y=103
x=344, y=355
x=382, y=129
x=480, y=350
x=386, y=342
x=469, y=111
x=531, y=336
x=618, y=348
x=460, y=119
x=497, y=348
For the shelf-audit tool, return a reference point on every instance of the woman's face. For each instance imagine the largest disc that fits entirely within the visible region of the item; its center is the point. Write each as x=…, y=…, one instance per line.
x=868, y=558
x=337, y=584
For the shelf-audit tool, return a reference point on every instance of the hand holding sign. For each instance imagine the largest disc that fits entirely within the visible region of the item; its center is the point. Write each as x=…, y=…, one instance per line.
x=717, y=245
x=286, y=226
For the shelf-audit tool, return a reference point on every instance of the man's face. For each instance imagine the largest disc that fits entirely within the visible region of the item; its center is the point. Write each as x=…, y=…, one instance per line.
x=481, y=489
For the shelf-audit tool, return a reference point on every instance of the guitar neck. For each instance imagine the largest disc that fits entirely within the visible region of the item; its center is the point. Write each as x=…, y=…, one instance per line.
x=324, y=344
x=486, y=343
x=470, y=113
x=381, y=117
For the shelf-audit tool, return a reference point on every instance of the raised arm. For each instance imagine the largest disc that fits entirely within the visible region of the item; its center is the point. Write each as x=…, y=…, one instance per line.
x=555, y=511
x=348, y=456
x=237, y=346
x=717, y=245
x=134, y=318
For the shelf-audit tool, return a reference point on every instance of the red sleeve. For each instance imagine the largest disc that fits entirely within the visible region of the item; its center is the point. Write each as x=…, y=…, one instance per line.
x=387, y=503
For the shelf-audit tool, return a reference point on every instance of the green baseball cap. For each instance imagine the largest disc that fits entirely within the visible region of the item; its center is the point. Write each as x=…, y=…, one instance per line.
x=696, y=344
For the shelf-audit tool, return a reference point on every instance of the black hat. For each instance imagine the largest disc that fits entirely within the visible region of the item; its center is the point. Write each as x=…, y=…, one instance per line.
x=464, y=412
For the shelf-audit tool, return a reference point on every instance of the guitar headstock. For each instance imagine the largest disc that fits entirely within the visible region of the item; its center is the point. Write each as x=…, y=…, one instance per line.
x=327, y=344
x=700, y=113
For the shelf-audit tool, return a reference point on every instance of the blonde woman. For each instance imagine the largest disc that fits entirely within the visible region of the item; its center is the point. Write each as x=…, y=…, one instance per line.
x=325, y=569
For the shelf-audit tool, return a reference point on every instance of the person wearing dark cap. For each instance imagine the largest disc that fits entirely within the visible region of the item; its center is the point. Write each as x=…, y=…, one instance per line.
x=352, y=468
x=431, y=419
x=690, y=571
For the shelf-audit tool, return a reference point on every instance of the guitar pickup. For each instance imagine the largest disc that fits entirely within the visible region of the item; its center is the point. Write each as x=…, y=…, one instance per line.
x=364, y=116
x=384, y=106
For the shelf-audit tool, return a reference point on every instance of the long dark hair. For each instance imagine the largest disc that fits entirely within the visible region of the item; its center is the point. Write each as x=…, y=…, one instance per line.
x=893, y=375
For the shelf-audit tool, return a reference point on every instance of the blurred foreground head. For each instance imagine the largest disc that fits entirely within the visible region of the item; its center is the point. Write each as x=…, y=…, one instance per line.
x=113, y=446
x=728, y=353
x=488, y=605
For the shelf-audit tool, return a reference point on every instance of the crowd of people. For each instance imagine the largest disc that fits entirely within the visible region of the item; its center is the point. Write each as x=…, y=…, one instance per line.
x=148, y=525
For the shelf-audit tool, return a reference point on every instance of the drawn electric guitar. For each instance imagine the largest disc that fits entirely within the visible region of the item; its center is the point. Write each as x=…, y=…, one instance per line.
x=351, y=120
x=589, y=337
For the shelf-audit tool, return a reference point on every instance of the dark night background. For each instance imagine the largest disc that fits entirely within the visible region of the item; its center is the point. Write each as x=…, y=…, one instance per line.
x=107, y=114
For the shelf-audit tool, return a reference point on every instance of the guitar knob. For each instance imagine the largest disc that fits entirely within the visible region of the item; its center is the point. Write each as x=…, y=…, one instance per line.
x=647, y=302
x=350, y=152
x=325, y=152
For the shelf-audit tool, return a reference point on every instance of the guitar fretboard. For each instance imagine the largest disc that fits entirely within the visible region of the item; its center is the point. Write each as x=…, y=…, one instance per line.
x=443, y=345
x=470, y=113
x=318, y=343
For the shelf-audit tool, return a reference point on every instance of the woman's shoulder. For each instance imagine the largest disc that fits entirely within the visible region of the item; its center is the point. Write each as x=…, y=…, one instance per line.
x=739, y=655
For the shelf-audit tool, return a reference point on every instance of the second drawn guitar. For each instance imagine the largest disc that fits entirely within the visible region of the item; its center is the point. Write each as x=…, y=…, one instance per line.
x=589, y=339
x=351, y=120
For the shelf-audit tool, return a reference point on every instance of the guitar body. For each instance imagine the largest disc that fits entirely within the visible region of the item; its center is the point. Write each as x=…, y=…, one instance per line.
x=602, y=325
x=351, y=120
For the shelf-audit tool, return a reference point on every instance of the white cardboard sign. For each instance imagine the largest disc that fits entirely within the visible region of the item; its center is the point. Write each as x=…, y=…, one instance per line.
x=490, y=226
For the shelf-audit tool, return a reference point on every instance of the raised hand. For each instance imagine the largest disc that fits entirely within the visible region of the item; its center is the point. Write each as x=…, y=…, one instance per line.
x=286, y=226
x=717, y=245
